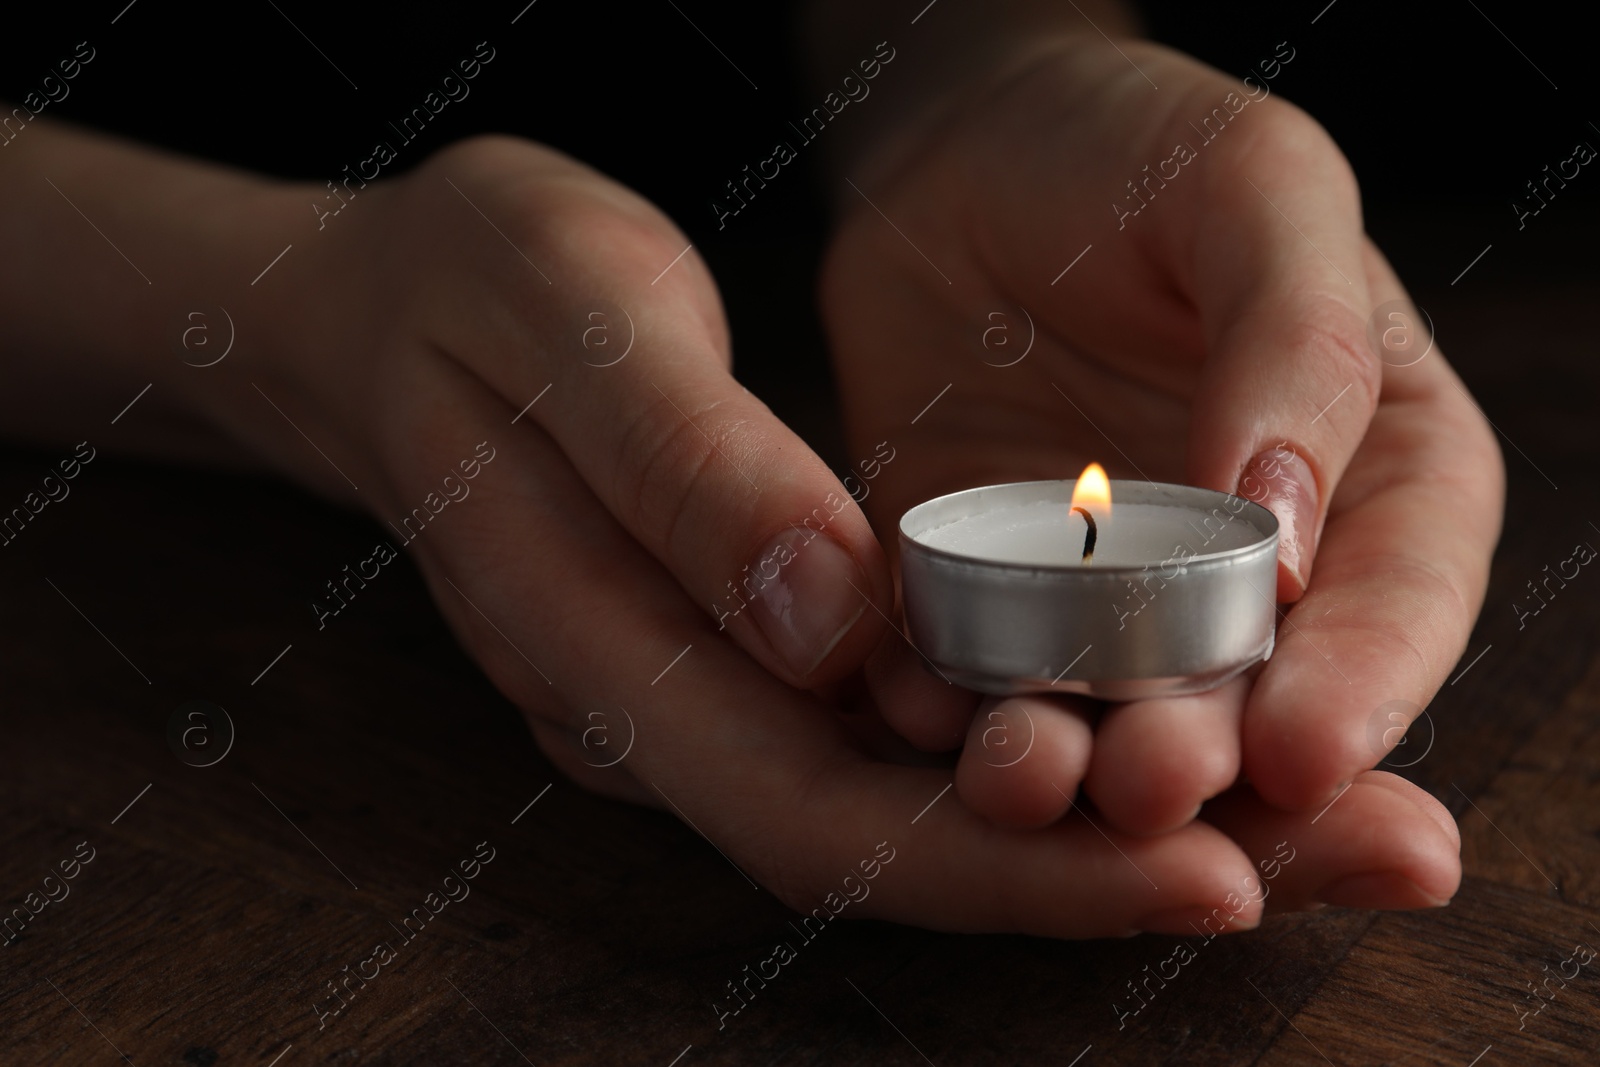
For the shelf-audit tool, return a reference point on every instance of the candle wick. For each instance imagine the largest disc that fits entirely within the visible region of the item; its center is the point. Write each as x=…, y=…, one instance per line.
x=1089, y=536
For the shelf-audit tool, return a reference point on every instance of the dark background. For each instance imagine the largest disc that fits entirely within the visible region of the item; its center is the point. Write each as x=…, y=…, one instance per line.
x=1444, y=119
x=1430, y=101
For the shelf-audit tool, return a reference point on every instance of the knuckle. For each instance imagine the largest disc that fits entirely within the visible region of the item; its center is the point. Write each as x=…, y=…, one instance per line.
x=795, y=890
x=1333, y=334
x=807, y=870
x=542, y=200
x=1284, y=127
x=671, y=468
x=1436, y=602
x=512, y=676
x=482, y=150
x=591, y=221
x=567, y=756
x=794, y=880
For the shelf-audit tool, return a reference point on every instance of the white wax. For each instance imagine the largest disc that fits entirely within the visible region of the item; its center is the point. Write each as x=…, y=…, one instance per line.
x=1049, y=534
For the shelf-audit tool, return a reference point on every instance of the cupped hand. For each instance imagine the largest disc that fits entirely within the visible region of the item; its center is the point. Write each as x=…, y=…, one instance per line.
x=578, y=503
x=1063, y=263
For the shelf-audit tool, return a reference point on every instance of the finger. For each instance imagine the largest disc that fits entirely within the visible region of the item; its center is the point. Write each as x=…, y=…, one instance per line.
x=589, y=767
x=1289, y=383
x=1400, y=578
x=1156, y=761
x=1270, y=267
x=1074, y=878
x=1425, y=802
x=1385, y=843
x=1023, y=759
x=566, y=613
x=748, y=519
x=926, y=709
x=785, y=798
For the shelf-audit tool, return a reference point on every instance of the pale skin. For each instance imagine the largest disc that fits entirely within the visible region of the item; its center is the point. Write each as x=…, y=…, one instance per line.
x=620, y=506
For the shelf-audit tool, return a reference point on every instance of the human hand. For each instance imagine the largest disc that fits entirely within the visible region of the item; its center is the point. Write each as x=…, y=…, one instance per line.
x=577, y=551
x=1213, y=332
x=503, y=298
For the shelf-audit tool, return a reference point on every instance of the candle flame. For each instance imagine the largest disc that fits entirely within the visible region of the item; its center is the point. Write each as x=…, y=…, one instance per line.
x=1092, y=492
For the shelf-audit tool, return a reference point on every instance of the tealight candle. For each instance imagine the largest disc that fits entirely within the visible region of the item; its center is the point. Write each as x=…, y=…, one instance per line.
x=1048, y=587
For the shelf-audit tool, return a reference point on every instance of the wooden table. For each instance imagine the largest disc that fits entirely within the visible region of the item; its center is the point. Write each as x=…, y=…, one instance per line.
x=370, y=758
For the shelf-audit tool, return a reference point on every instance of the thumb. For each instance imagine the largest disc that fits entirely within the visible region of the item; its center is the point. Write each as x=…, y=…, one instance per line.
x=753, y=525
x=1291, y=383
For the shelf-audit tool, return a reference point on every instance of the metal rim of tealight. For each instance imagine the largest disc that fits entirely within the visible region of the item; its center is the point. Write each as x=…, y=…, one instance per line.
x=1010, y=628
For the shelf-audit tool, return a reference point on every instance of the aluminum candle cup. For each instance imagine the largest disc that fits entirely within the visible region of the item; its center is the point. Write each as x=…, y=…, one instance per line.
x=1179, y=596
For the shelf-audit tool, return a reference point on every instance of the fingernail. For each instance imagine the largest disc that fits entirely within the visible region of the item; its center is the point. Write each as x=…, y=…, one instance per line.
x=1380, y=890
x=1196, y=920
x=814, y=594
x=1281, y=481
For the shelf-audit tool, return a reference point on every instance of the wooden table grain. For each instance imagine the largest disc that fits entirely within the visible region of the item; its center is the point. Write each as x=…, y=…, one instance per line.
x=370, y=759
